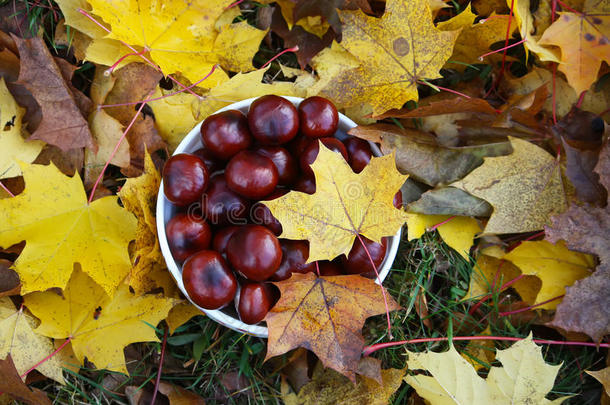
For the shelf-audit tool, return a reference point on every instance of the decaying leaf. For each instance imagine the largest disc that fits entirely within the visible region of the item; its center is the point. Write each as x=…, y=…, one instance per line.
x=419, y=155
x=100, y=327
x=603, y=376
x=555, y=265
x=62, y=123
x=457, y=232
x=448, y=106
x=450, y=201
x=13, y=147
x=452, y=379
x=584, y=44
x=528, y=29
x=325, y=315
x=587, y=229
x=9, y=280
x=11, y=384
x=344, y=205
x=525, y=188
x=60, y=228
x=179, y=396
x=139, y=196
x=26, y=348
x=329, y=387
x=395, y=52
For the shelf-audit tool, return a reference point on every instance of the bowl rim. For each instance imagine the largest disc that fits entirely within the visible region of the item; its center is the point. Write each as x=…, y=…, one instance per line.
x=189, y=144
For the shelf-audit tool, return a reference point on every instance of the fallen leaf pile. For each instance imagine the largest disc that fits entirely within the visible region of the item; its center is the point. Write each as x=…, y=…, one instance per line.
x=489, y=116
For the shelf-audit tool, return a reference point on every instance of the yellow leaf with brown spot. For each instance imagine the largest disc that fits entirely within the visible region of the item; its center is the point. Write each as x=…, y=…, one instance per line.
x=100, y=326
x=138, y=195
x=26, y=347
x=60, y=229
x=525, y=188
x=555, y=265
x=457, y=232
x=344, y=205
x=325, y=315
x=395, y=52
x=585, y=44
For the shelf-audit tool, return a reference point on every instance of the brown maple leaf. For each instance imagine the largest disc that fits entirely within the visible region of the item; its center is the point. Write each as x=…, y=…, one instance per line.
x=62, y=123
x=325, y=315
x=586, y=229
x=12, y=385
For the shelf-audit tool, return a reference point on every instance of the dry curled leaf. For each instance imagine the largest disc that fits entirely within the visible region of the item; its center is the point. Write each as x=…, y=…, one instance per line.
x=344, y=205
x=62, y=123
x=12, y=385
x=587, y=229
x=396, y=51
x=325, y=315
x=525, y=188
x=52, y=215
x=329, y=388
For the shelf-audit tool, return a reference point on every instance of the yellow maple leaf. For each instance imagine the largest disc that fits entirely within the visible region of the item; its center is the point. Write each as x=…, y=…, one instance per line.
x=458, y=232
x=525, y=188
x=584, y=44
x=60, y=229
x=179, y=36
x=26, y=347
x=13, y=147
x=395, y=52
x=99, y=326
x=453, y=380
x=344, y=205
x=329, y=64
x=138, y=196
x=474, y=39
x=555, y=265
x=527, y=28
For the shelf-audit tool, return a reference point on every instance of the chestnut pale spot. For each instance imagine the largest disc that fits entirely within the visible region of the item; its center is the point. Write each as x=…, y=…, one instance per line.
x=589, y=37
x=400, y=46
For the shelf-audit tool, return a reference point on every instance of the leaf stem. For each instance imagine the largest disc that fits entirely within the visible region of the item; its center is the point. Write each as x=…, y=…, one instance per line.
x=158, y=380
x=293, y=49
x=488, y=296
x=517, y=311
x=116, y=148
x=373, y=348
x=64, y=344
x=6, y=189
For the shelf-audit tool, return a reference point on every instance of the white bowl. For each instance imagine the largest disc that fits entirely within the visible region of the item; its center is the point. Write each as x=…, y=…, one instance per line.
x=165, y=211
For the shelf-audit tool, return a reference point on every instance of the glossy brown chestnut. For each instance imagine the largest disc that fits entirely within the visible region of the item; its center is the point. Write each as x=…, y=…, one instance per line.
x=251, y=175
x=210, y=160
x=286, y=164
x=255, y=252
x=221, y=238
x=294, y=256
x=359, y=152
x=318, y=117
x=208, y=280
x=298, y=145
x=226, y=133
x=329, y=268
x=223, y=206
x=185, y=178
x=273, y=120
x=311, y=152
x=186, y=235
x=261, y=215
x=357, y=261
x=255, y=300
x=305, y=184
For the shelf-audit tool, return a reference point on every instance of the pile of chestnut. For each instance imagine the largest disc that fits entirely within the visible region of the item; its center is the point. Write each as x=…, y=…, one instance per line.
x=222, y=233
